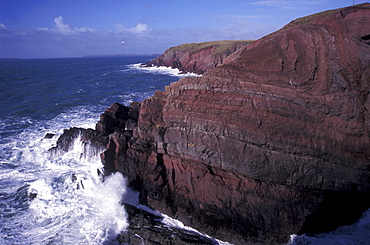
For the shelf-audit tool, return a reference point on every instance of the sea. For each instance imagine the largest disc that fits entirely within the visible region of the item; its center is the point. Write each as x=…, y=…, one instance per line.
x=60, y=199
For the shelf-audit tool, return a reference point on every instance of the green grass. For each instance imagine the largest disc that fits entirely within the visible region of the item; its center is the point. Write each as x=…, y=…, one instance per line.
x=307, y=19
x=221, y=46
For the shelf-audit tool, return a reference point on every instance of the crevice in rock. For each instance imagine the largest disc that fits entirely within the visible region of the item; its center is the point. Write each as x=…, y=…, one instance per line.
x=366, y=39
x=109, y=157
x=169, y=199
x=160, y=162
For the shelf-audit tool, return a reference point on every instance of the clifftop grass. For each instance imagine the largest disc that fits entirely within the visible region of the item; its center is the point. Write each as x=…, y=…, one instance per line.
x=220, y=46
x=307, y=19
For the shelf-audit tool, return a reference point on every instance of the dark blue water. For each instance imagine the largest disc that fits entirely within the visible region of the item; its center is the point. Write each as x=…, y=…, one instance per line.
x=43, y=88
x=43, y=96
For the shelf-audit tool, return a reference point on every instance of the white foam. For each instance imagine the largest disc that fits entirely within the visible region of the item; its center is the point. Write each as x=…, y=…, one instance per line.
x=9, y=173
x=72, y=197
x=178, y=224
x=127, y=99
x=72, y=205
x=358, y=233
x=162, y=70
x=132, y=198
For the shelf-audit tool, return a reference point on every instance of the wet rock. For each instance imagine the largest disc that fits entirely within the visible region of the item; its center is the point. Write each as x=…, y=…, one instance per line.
x=32, y=196
x=118, y=118
x=74, y=178
x=118, y=121
x=88, y=137
x=49, y=136
x=146, y=228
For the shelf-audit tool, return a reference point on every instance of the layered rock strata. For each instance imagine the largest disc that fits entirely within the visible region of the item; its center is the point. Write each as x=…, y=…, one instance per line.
x=273, y=142
x=198, y=57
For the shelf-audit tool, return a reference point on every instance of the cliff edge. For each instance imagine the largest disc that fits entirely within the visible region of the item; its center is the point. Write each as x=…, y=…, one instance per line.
x=274, y=141
x=198, y=57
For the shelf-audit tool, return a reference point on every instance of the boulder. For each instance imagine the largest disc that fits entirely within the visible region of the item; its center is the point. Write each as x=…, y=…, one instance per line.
x=88, y=137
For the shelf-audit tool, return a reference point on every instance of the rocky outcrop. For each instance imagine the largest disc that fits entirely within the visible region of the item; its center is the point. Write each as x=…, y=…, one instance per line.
x=91, y=140
x=273, y=142
x=147, y=228
x=264, y=145
x=198, y=57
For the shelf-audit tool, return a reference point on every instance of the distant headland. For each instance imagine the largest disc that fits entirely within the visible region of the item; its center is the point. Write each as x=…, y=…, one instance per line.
x=118, y=55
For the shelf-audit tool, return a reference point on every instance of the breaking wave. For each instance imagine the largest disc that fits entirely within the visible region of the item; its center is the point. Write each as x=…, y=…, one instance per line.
x=163, y=70
x=57, y=199
x=61, y=199
x=357, y=233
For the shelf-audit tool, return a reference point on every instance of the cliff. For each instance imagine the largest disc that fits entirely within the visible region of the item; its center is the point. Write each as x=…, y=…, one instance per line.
x=273, y=142
x=198, y=57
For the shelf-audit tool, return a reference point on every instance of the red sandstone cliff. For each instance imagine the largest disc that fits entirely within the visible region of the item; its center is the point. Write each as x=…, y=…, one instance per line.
x=273, y=142
x=198, y=57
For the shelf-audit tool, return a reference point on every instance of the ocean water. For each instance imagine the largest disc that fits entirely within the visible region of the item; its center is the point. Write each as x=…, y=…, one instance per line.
x=41, y=96
x=60, y=199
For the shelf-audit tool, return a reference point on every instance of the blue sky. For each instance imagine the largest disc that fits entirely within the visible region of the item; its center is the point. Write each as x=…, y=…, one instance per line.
x=73, y=28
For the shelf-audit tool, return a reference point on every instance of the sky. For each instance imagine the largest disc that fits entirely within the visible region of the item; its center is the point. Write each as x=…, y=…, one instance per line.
x=74, y=28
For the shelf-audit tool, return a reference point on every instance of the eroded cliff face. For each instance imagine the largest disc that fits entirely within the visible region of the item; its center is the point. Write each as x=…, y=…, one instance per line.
x=273, y=142
x=198, y=57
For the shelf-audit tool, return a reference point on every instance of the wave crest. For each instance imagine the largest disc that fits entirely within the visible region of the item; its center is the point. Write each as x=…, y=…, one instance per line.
x=162, y=70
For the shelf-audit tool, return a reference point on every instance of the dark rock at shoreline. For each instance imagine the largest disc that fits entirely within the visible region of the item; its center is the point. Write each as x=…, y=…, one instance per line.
x=147, y=228
x=118, y=122
x=32, y=196
x=273, y=142
x=49, y=136
x=88, y=137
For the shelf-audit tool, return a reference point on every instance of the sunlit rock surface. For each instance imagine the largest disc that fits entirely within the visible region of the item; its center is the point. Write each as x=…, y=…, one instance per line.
x=198, y=57
x=273, y=141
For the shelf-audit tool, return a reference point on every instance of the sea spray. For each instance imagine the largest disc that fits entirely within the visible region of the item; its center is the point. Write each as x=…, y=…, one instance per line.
x=75, y=199
x=50, y=95
x=61, y=198
x=163, y=70
x=357, y=233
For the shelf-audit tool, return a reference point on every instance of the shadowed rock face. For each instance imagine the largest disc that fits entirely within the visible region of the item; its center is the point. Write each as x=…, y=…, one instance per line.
x=273, y=142
x=88, y=137
x=147, y=228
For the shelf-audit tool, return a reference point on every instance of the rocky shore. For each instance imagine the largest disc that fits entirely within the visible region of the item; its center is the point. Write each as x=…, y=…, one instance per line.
x=271, y=142
x=147, y=228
